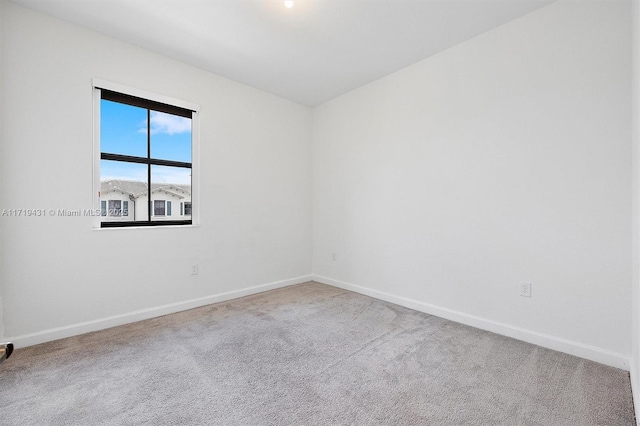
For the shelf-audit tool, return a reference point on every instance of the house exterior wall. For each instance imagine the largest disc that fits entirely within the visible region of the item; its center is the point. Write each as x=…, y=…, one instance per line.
x=112, y=215
x=138, y=206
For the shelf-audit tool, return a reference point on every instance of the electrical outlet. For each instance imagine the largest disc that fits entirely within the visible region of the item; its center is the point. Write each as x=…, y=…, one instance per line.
x=525, y=289
x=194, y=269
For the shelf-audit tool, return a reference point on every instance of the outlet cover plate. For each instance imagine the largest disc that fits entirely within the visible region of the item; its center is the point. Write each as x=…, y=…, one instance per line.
x=525, y=289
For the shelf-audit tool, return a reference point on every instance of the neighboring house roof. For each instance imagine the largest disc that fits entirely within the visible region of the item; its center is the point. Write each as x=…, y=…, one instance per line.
x=116, y=189
x=166, y=190
x=137, y=189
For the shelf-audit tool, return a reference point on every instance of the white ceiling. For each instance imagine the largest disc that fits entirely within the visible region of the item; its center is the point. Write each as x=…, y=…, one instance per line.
x=315, y=51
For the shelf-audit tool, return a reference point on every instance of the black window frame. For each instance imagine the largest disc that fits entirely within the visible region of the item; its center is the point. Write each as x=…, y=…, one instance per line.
x=149, y=105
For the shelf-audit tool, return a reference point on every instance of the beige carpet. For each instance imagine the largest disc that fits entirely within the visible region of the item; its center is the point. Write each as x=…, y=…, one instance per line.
x=308, y=354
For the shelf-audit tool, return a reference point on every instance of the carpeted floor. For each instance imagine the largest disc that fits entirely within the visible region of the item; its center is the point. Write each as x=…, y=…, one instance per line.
x=308, y=354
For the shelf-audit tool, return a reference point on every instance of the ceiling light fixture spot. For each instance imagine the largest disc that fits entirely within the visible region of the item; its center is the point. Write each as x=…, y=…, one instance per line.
x=288, y=3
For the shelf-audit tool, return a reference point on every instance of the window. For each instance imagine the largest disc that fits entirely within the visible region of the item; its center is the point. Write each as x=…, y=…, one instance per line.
x=115, y=208
x=187, y=209
x=145, y=159
x=158, y=207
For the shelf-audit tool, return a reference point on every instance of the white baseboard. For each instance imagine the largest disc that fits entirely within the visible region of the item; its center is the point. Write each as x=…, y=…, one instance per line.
x=100, y=324
x=635, y=390
x=552, y=342
x=592, y=353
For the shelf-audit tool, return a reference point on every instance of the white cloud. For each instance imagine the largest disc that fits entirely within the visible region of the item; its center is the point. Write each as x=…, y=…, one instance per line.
x=167, y=123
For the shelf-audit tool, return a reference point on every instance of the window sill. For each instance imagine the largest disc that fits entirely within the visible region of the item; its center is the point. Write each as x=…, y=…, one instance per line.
x=121, y=228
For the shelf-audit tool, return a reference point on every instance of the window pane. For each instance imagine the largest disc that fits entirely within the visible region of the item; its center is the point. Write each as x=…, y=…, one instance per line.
x=123, y=183
x=170, y=185
x=158, y=207
x=170, y=137
x=115, y=208
x=123, y=129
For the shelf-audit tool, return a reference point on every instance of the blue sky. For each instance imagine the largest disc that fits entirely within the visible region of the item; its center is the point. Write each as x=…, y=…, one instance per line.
x=123, y=130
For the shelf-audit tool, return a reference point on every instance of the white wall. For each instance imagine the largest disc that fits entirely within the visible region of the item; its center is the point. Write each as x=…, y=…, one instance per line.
x=635, y=300
x=1, y=181
x=501, y=160
x=255, y=204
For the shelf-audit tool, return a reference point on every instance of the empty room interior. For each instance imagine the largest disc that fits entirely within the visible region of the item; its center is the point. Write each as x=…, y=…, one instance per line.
x=319, y=212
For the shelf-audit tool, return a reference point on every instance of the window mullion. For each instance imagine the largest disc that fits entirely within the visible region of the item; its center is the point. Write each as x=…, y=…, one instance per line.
x=149, y=162
x=125, y=158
